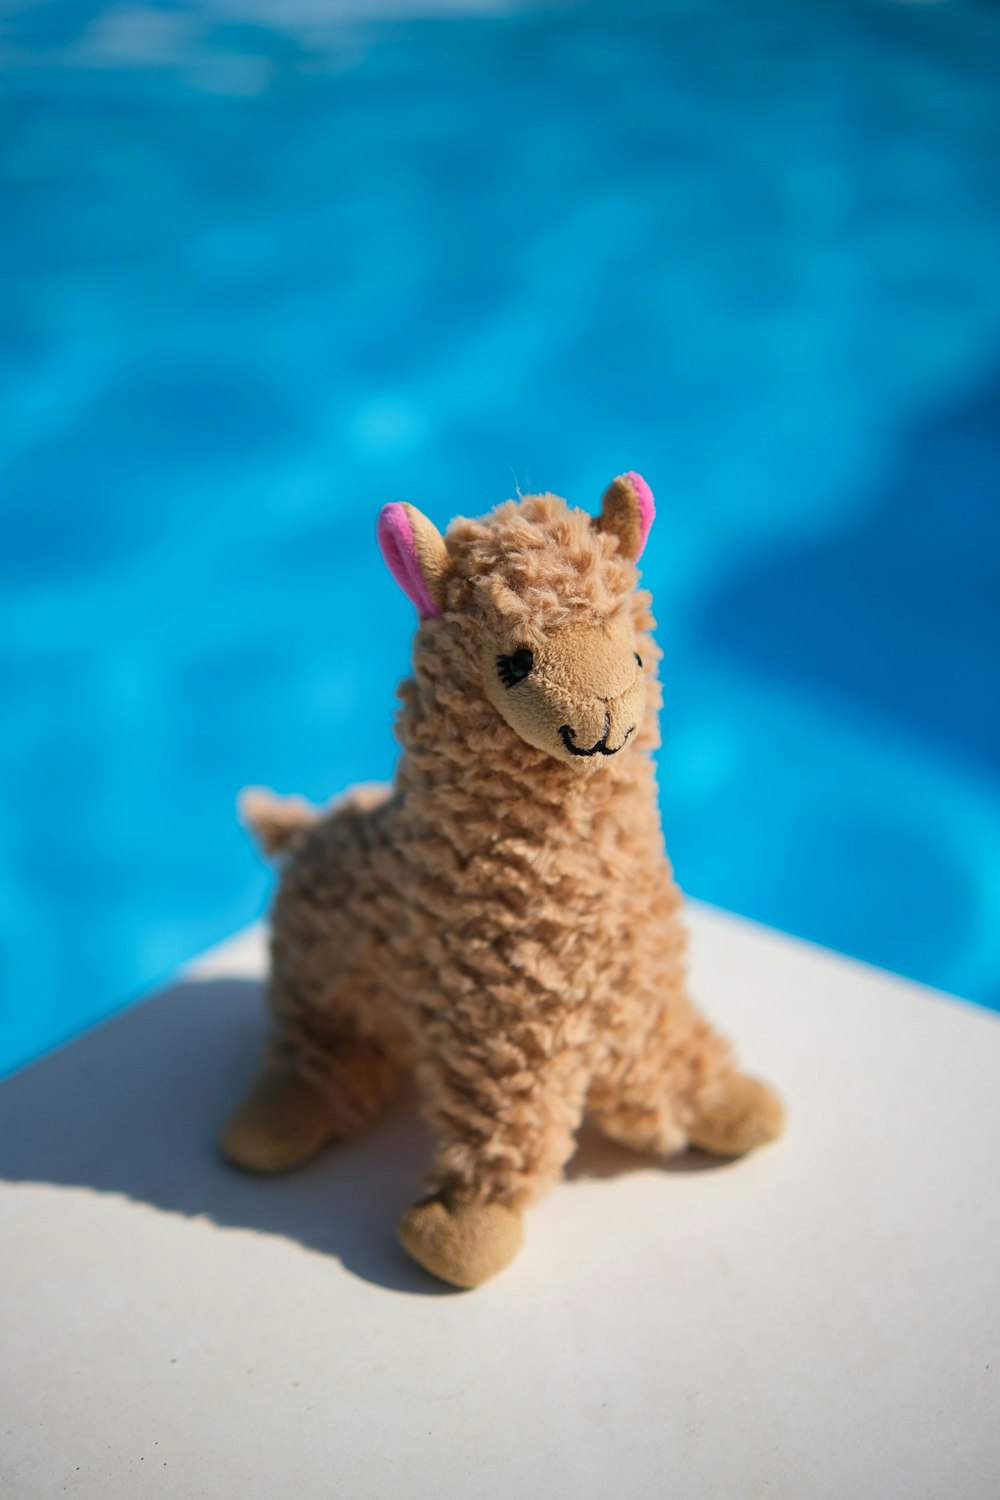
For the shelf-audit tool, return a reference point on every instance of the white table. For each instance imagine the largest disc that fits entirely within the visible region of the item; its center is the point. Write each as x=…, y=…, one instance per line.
x=821, y=1320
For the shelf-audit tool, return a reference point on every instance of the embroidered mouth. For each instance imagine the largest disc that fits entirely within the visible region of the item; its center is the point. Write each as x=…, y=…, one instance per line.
x=568, y=736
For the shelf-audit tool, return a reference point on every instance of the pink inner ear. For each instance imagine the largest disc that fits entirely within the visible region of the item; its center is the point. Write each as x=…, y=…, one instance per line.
x=395, y=539
x=647, y=508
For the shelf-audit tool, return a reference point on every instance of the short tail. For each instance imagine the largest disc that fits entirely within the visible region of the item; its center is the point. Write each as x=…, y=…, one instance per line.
x=279, y=824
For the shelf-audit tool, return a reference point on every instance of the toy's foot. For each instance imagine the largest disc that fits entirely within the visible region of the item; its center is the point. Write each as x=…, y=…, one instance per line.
x=462, y=1243
x=744, y=1114
x=282, y=1122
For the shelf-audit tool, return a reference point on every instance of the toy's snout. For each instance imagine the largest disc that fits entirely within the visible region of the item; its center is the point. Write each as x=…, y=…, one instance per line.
x=601, y=746
x=580, y=696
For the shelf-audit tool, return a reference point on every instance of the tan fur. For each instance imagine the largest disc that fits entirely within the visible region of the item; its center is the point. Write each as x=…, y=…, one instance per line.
x=506, y=922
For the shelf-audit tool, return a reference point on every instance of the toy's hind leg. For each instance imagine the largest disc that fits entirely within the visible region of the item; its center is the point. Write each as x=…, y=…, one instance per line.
x=327, y=1074
x=680, y=1087
x=293, y=1111
x=334, y=1058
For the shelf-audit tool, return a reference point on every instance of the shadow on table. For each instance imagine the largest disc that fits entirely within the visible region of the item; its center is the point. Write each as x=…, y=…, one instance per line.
x=134, y=1107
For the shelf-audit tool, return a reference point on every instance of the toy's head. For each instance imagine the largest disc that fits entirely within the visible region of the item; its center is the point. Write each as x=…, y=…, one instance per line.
x=540, y=609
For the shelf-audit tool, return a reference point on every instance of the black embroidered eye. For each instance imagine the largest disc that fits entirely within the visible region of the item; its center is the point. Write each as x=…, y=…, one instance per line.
x=638, y=658
x=515, y=668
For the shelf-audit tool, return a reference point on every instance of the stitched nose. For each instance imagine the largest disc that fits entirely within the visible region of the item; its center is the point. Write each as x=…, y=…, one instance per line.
x=601, y=746
x=587, y=723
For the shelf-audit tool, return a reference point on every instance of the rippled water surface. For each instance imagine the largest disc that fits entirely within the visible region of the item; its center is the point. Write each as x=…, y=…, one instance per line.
x=266, y=266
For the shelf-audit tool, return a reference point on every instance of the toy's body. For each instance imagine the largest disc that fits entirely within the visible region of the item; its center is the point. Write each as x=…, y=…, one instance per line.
x=504, y=919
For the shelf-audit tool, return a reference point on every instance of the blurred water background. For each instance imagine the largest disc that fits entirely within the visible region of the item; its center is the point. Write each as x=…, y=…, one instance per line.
x=266, y=265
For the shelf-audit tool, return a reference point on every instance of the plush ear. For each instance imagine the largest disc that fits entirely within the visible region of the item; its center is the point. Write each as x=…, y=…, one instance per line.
x=627, y=511
x=415, y=554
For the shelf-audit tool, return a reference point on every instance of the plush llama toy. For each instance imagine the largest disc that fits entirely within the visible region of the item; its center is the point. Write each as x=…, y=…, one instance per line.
x=503, y=919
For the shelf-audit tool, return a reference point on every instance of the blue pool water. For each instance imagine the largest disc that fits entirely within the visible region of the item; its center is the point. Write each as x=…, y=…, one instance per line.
x=266, y=266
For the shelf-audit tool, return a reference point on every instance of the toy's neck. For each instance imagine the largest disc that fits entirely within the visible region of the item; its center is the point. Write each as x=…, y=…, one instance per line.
x=461, y=761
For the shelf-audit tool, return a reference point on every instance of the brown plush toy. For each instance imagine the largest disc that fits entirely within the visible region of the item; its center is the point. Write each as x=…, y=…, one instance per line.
x=503, y=920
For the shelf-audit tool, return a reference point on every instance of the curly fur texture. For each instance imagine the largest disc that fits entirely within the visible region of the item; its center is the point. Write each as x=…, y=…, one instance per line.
x=502, y=920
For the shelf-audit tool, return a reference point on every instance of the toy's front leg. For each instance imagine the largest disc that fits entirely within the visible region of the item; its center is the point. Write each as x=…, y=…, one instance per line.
x=505, y=1128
